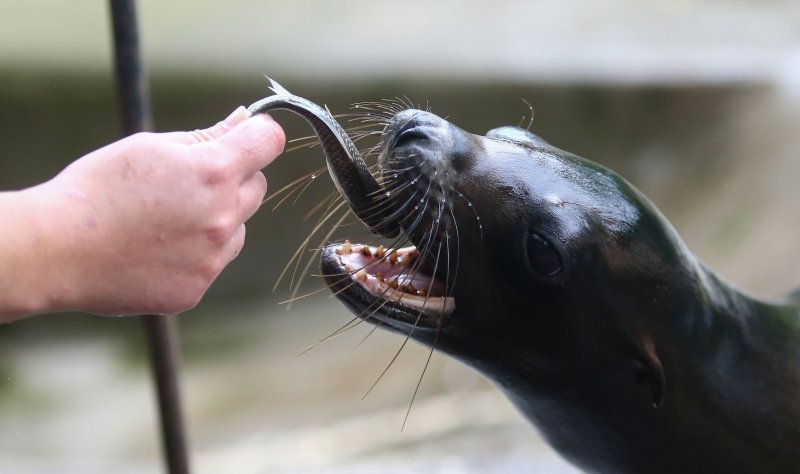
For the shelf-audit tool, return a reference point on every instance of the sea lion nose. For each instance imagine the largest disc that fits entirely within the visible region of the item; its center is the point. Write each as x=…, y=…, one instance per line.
x=412, y=125
x=418, y=117
x=426, y=137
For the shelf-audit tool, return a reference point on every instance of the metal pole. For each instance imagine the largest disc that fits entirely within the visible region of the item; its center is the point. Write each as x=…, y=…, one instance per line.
x=160, y=331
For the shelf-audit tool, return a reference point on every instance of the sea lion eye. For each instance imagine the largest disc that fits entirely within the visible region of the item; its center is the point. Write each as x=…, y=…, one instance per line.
x=543, y=258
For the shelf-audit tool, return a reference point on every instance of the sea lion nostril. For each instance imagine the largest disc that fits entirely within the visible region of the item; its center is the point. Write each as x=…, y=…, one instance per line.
x=410, y=135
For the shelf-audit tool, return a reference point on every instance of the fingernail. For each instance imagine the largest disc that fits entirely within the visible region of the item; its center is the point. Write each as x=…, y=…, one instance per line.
x=238, y=115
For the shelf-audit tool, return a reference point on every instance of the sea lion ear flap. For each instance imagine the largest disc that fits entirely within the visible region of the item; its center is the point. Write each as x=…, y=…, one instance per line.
x=650, y=371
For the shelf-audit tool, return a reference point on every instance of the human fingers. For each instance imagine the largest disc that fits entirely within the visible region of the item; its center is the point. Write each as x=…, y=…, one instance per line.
x=221, y=128
x=251, y=145
x=251, y=195
x=207, y=134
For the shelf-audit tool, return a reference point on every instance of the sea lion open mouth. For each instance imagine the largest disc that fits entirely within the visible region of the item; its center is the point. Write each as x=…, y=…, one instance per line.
x=402, y=294
x=408, y=288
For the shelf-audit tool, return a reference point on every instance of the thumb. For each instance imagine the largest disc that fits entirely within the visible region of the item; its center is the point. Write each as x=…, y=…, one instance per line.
x=221, y=128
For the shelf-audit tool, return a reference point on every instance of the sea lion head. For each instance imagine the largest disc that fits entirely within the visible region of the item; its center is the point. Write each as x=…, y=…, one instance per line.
x=563, y=284
x=524, y=256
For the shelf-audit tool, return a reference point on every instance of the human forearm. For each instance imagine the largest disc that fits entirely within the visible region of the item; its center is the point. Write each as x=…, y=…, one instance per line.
x=25, y=276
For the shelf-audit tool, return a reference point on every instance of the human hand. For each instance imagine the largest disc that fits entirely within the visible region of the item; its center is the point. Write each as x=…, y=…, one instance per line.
x=145, y=224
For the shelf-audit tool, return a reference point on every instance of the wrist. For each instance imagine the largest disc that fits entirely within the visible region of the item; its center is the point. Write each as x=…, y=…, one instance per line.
x=38, y=253
x=20, y=286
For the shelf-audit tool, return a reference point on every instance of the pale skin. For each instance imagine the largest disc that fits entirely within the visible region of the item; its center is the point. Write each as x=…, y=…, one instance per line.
x=143, y=225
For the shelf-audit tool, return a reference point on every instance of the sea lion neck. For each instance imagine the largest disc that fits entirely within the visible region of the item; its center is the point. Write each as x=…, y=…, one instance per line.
x=726, y=312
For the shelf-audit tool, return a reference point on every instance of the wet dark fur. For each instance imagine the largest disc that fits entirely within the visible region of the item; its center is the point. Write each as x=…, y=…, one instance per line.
x=579, y=300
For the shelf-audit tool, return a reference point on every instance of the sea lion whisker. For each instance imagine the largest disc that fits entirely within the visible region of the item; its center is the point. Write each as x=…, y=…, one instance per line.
x=395, y=102
x=391, y=188
x=386, y=369
x=312, y=179
x=328, y=200
x=372, y=103
x=289, y=187
x=364, y=316
x=427, y=242
x=474, y=212
x=419, y=382
x=373, y=150
x=341, y=330
x=522, y=119
x=406, y=102
x=297, y=189
x=379, y=208
x=395, y=105
x=371, y=120
x=421, y=208
x=450, y=285
x=383, y=109
x=371, y=310
x=306, y=295
x=360, y=134
x=402, y=170
x=419, y=215
x=301, y=146
x=405, y=341
x=372, y=117
x=315, y=254
x=357, y=117
x=303, y=245
x=305, y=138
x=364, y=339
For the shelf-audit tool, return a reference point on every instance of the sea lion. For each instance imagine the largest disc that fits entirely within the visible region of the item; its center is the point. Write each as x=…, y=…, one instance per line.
x=563, y=284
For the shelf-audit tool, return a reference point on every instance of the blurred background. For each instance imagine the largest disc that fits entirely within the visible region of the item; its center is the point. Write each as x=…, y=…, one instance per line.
x=696, y=103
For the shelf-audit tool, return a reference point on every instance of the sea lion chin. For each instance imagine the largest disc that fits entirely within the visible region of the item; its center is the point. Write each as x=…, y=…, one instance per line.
x=563, y=284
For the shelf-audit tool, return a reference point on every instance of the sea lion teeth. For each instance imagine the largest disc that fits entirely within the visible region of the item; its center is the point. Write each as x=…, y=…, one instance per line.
x=361, y=275
x=346, y=247
x=379, y=252
x=366, y=251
